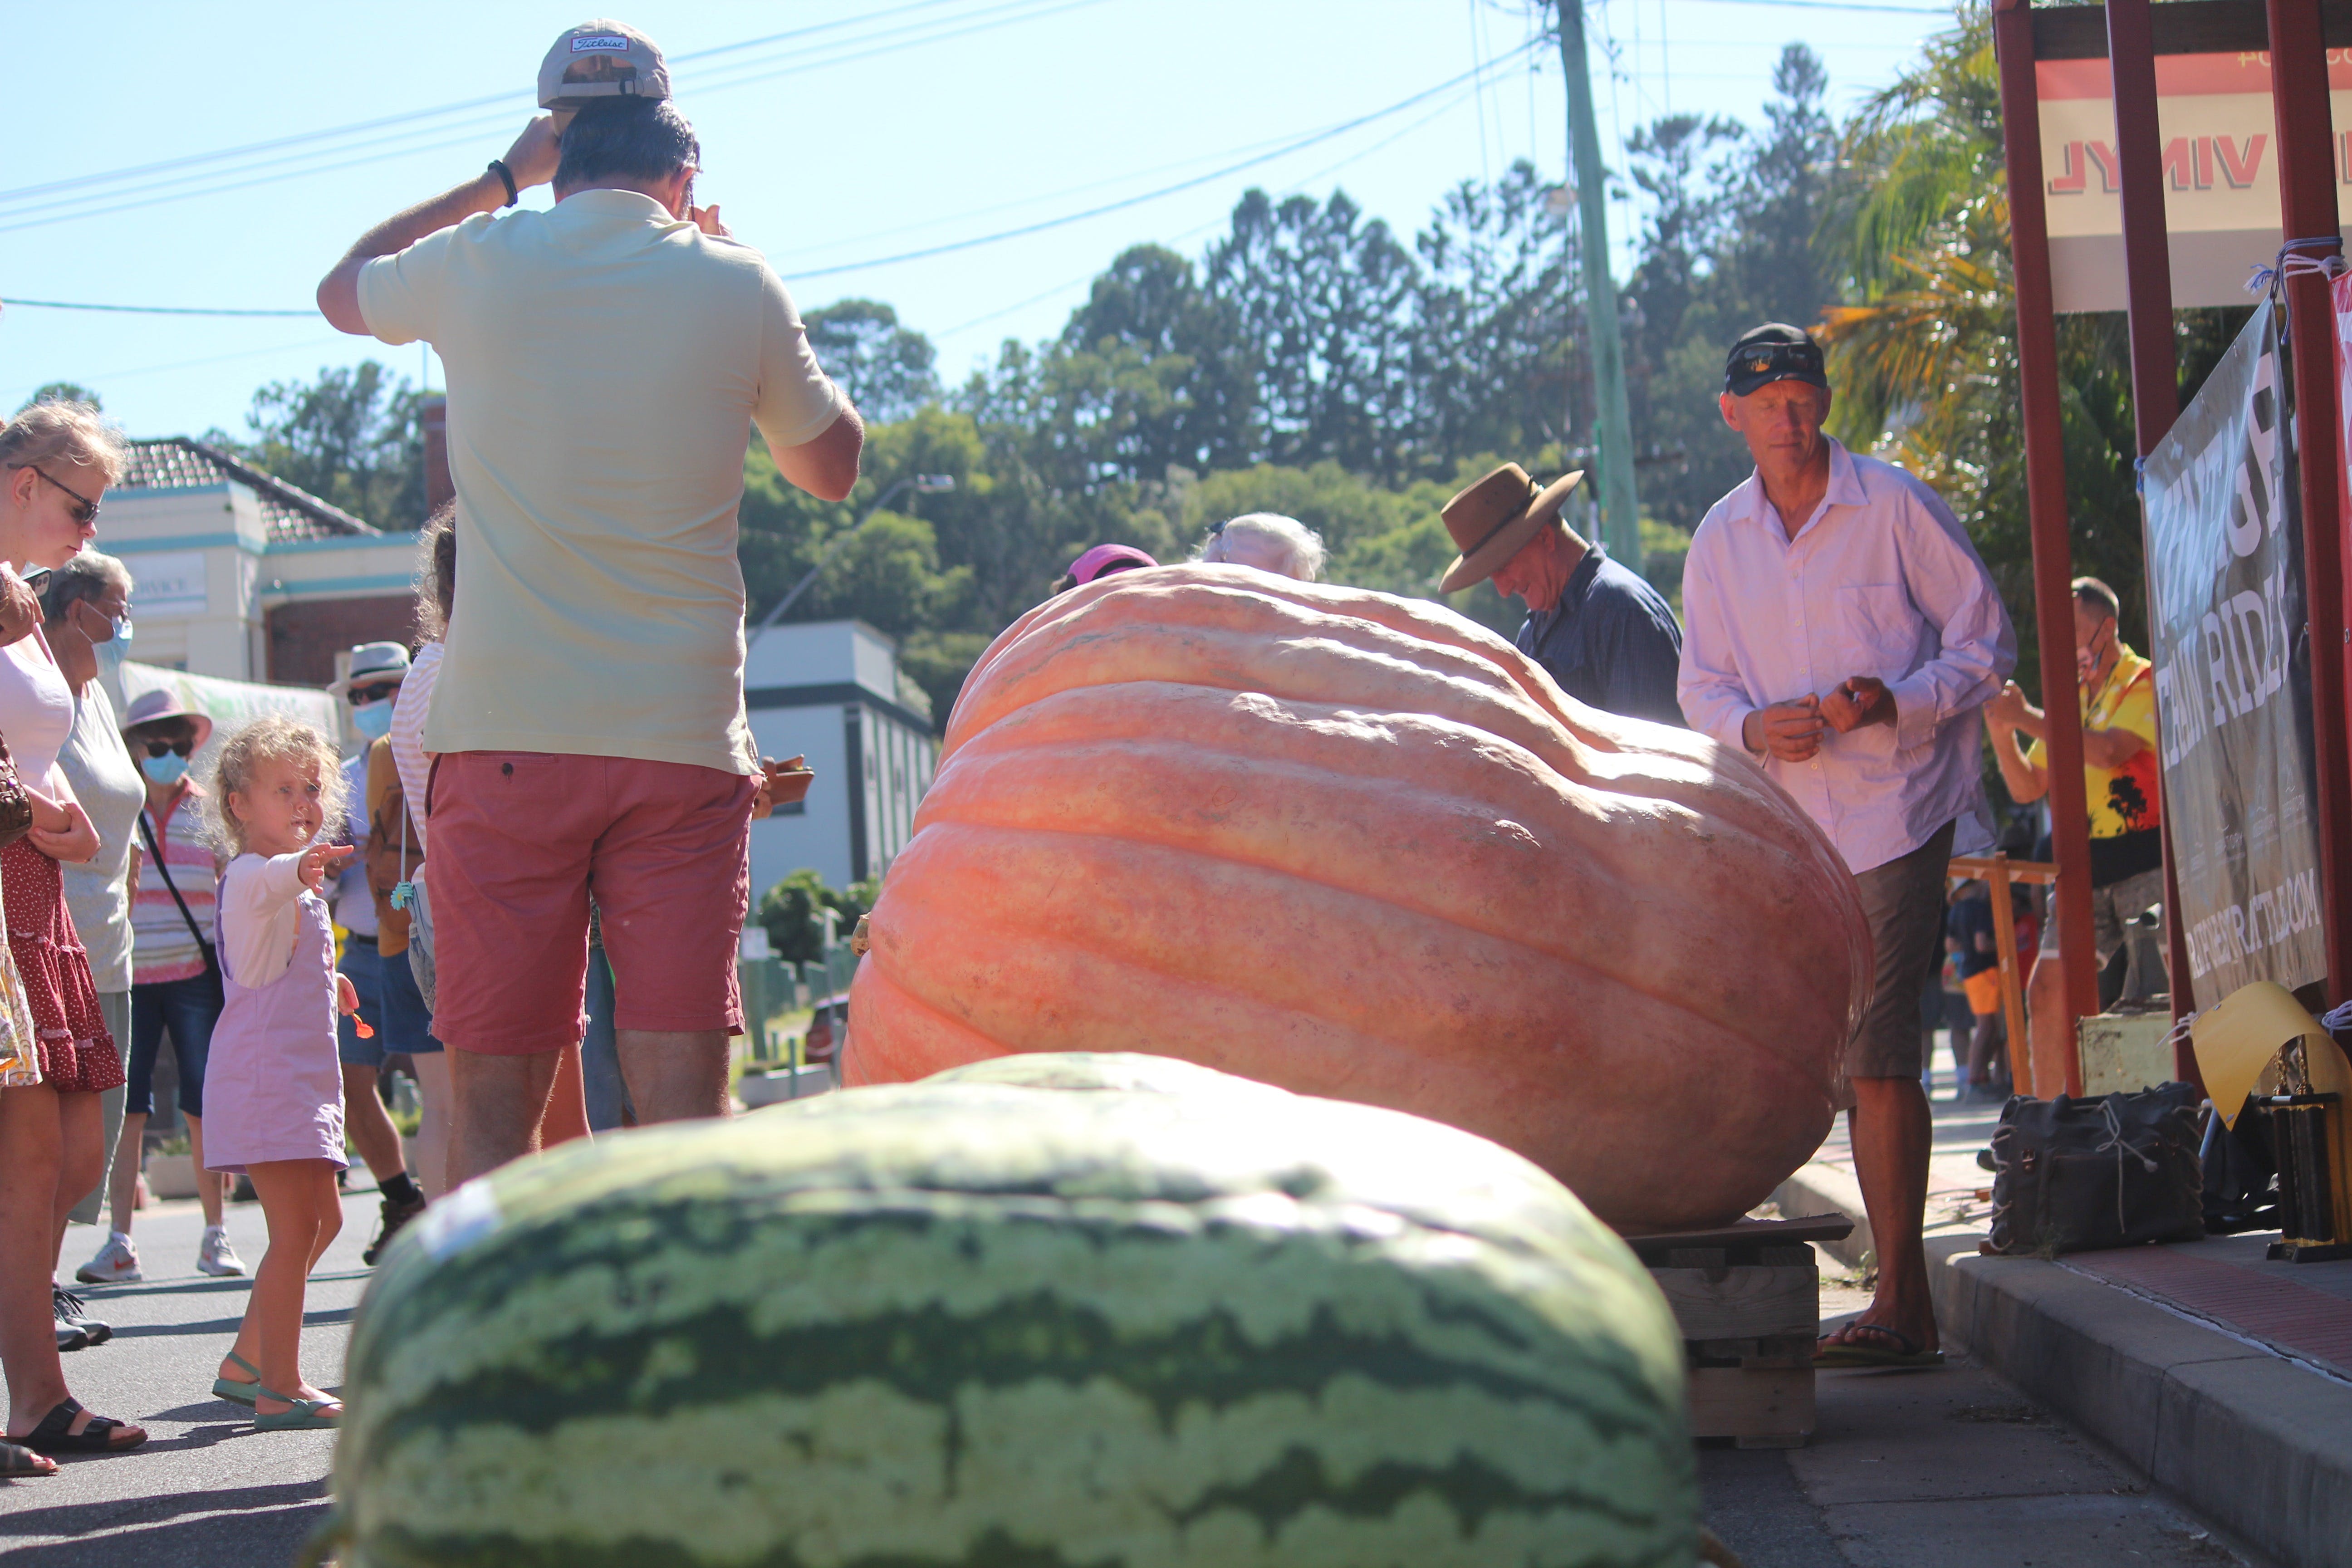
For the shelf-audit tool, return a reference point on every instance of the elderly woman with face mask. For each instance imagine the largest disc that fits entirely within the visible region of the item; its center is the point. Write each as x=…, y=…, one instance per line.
x=85, y=608
x=56, y=460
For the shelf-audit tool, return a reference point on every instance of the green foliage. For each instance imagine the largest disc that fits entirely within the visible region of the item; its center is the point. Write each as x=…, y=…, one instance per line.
x=352, y=437
x=792, y=912
x=885, y=369
x=62, y=392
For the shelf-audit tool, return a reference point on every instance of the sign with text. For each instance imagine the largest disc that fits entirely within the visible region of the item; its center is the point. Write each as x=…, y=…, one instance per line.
x=2220, y=174
x=2233, y=677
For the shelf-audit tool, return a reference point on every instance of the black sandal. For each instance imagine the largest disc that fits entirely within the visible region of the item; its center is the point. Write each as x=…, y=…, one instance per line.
x=16, y=1460
x=54, y=1435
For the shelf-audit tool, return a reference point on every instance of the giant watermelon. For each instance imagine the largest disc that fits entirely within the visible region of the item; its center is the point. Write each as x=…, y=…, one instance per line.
x=997, y=1326
x=1361, y=846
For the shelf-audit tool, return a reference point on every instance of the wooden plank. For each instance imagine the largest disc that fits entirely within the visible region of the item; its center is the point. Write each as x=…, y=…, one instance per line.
x=1742, y=1304
x=1727, y=1402
x=1749, y=1233
x=2012, y=974
x=2019, y=871
x=2186, y=28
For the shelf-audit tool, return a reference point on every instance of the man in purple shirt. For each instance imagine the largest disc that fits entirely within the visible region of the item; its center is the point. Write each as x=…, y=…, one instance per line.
x=1840, y=629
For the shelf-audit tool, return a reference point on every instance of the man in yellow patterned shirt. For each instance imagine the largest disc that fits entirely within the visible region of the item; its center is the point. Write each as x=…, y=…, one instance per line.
x=2117, y=696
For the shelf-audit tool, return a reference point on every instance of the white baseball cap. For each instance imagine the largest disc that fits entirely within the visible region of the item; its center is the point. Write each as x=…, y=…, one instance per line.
x=598, y=60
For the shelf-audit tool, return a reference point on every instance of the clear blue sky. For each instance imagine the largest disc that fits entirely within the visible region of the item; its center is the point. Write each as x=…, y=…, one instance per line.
x=886, y=127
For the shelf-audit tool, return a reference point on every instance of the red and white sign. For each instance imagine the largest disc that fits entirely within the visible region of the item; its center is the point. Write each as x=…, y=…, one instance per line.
x=2220, y=174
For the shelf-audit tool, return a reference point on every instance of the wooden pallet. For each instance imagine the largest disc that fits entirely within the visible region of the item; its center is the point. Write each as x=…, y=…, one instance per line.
x=1748, y=1299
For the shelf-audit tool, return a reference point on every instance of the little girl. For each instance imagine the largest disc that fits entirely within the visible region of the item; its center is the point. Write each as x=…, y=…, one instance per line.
x=273, y=1090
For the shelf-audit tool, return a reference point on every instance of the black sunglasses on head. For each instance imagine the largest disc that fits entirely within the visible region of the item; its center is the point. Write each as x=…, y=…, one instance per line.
x=1764, y=357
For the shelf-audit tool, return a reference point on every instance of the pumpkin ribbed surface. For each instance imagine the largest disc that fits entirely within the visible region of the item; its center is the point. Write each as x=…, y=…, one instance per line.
x=1359, y=847
x=1179, y=1321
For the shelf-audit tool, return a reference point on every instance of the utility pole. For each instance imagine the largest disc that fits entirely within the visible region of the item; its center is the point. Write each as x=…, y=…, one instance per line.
x=1620, y=525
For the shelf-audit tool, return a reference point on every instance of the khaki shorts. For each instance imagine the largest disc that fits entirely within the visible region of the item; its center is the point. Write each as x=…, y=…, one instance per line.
x=1904, y=900
x=2112, y=907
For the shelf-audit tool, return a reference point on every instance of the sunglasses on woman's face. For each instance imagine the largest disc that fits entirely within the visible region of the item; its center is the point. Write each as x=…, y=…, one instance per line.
x=83, y=509
x=360, y=695
x=181, y=746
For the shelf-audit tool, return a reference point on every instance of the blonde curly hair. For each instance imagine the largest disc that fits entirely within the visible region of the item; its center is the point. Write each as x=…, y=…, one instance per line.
x=272, y=738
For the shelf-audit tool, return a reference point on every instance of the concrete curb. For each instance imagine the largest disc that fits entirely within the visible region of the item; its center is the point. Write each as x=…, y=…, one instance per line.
x=2260, y=1444
x=1819, y=1189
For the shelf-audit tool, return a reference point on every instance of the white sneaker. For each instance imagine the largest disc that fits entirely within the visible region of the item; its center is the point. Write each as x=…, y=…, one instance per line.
x=117, y=1263
x=217, y=1257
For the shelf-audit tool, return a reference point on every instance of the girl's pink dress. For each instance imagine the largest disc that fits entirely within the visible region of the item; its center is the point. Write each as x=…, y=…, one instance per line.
x=273, y=1087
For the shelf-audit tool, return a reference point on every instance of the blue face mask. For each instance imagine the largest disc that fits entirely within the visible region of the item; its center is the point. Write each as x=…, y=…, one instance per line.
x=374, y=721
x=121, y=631
x=168, y=769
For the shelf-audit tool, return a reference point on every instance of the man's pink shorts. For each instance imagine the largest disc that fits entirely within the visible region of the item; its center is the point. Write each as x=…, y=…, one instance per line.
x=518, y=838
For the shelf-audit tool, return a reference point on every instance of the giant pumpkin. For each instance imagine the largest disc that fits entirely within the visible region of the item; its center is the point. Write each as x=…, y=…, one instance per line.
x=1359, y=847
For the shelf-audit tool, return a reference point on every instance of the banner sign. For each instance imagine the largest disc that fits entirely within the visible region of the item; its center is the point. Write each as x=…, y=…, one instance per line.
x=2233, y=677
x=2214, y=116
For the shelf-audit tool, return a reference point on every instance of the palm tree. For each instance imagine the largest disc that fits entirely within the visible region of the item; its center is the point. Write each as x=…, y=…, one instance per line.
x=1924, y=353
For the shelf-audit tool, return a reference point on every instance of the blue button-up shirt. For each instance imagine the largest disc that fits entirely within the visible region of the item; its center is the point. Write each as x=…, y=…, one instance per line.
x=1880, y=581
x=1611, y=642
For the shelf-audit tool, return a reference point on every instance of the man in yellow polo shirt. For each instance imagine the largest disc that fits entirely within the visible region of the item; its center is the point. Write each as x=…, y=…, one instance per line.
x=2117, y=696
x=608, y=359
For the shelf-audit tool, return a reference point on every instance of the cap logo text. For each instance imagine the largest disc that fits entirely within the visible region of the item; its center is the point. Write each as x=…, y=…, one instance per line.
x=601, y=44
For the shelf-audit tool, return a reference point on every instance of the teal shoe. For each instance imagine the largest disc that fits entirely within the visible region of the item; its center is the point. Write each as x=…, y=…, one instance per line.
x=237, y=1393
x=308, y=1415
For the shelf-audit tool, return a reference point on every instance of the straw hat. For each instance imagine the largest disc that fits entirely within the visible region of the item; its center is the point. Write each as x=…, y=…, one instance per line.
x=1493, y=519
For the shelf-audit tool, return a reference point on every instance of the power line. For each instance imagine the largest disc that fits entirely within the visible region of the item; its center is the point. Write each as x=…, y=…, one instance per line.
x=149, y=309
x=401, y=143
x=1293, y=188
x=312, y=138
x=1041, y=226
x=1295, y=144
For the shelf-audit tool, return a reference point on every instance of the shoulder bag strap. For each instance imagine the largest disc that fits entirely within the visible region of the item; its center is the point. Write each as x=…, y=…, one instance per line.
x=147, y=832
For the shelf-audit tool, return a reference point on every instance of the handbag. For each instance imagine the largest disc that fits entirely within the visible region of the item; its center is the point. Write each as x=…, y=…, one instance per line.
x=2077, y=1176
x=410, y=896
x=16, y=805
x=203, y=943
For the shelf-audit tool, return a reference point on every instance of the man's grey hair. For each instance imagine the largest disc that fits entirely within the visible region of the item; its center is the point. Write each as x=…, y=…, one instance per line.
x=1269, y=542
x=87, y=576
x=626, y=139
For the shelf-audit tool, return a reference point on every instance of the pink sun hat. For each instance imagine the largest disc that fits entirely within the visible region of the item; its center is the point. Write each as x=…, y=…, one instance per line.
x=1105, y=559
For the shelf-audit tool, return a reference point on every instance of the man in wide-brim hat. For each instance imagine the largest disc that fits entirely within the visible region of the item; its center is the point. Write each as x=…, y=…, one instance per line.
x=1608, y=637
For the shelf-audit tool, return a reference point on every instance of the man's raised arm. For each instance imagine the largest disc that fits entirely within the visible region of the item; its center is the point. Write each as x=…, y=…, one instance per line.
x=531, y=162
x=826, y=467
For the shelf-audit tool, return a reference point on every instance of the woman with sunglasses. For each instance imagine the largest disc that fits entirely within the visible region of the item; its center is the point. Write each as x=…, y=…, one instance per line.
x=56, y=460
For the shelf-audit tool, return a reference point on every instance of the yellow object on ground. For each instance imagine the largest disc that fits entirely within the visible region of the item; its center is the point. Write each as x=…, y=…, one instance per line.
x=2236, y=1040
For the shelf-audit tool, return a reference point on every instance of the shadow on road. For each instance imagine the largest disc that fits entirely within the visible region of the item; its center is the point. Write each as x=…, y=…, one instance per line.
x=222, y=1325
x=237, y=1501
x=264, y=1538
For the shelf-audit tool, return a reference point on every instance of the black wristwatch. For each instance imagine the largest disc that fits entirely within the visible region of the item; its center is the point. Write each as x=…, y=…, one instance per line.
x=506, y=178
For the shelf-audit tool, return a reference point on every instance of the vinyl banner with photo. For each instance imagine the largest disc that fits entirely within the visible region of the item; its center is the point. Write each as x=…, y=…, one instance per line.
x=2233, y=678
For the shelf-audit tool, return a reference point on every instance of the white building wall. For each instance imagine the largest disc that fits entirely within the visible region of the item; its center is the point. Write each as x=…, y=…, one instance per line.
x=814, y=676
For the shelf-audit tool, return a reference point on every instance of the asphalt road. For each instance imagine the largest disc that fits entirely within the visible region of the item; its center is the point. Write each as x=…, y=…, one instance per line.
x=205, y=1491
